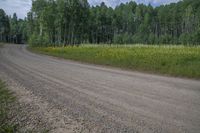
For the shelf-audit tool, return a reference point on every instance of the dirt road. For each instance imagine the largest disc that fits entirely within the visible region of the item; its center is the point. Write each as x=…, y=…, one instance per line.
x=102, y=99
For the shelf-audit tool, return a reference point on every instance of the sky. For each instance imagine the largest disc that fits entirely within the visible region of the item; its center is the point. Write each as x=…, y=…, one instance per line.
x=21, y=7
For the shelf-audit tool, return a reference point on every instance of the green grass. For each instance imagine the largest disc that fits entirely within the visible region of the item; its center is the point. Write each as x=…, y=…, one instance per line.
x=179, y=61
x=6, y=100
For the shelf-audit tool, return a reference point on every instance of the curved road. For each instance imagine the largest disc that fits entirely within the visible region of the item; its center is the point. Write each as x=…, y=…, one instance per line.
x=107, y=100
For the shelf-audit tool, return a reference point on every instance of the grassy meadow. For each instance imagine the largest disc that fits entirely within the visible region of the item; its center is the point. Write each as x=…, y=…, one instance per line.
x=181, y=61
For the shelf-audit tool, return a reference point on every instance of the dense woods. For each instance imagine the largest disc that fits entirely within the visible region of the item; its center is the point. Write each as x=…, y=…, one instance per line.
x=12, y=29
x=70, y=22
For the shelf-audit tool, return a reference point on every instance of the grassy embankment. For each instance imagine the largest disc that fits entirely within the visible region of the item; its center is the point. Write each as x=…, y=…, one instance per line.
x=6, y=100
x=179, y=61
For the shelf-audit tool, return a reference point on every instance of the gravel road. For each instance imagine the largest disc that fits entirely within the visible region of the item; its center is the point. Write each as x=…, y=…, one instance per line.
x=100, y=99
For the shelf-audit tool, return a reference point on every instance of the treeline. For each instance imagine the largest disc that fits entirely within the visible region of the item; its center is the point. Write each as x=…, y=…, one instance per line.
x=12, y=29
x=74, y=22
x=58, y=22
x=70, y=22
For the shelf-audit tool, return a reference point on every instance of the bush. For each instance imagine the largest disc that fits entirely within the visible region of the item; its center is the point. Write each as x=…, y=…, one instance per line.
x=118, y=39
x=197, y=37
x=123, y=39
x=37, y=40
x=151, y=39
x=184, y=38
x=165, y=39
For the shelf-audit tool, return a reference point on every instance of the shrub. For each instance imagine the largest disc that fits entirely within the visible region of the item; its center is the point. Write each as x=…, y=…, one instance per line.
x=37, y=40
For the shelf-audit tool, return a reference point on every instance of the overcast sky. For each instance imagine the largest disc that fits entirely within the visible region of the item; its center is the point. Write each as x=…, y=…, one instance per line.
x=21, y=7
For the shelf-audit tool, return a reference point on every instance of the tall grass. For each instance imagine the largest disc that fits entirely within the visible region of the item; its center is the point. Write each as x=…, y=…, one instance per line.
x=171, y=60
x=6, y=100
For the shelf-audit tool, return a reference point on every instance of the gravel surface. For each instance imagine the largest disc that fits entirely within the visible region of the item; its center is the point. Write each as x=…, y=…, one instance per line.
x=67, y=96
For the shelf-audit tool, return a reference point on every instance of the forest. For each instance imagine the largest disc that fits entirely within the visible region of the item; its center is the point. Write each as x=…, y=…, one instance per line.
x=12, y=29
x=74, y=22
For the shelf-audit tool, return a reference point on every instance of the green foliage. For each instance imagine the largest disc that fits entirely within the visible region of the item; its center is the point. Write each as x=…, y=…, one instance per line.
x=74, y=22
x=6, y=99
x=12, y=29
x=123, y=39
x=4, y=26
x=185, y=38
x=172, y=60
x=39, y=41
x=71, y=22
x=60, y=21
x=197, y=37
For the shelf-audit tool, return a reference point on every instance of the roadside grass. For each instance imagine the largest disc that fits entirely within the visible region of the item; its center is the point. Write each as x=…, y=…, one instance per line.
x=6, y=100
x=1, y=45
x=181, y=61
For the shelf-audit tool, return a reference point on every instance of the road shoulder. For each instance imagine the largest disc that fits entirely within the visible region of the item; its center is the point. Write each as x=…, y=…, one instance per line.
x=32, y=114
